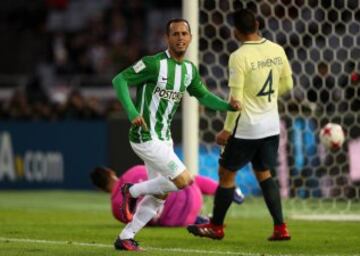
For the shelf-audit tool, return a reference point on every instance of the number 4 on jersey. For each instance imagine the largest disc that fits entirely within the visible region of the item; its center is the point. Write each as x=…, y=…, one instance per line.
x=267, y=90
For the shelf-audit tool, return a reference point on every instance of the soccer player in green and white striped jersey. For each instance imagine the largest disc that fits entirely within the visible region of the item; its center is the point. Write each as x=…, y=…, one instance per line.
x=161, y=81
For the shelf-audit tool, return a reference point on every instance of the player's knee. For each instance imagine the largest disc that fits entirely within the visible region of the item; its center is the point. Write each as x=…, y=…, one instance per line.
x=262, y=175
x=226, y=178
x=183, y=180
x=162, y=197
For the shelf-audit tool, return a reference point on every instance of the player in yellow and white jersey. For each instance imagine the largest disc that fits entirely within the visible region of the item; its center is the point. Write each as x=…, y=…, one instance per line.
x=259, y=72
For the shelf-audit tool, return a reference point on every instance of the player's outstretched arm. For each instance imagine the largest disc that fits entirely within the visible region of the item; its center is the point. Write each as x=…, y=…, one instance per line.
x=207, y=186
x=212, y=101
x=208, y=99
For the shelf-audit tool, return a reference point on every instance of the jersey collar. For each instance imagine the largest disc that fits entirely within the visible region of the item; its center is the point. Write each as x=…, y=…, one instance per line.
x=169, y=57
x=261, y=41
x=167, y=53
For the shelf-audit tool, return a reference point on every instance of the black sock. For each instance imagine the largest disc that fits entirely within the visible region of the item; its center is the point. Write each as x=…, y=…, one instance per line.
x=222, y=202
x=272, y=198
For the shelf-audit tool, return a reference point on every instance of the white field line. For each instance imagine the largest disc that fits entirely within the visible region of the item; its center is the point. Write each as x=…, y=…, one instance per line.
x=21, y=240
x=181, y=250
x=326, y=217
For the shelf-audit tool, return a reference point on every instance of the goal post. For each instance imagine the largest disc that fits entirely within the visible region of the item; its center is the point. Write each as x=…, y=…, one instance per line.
x=190, y=114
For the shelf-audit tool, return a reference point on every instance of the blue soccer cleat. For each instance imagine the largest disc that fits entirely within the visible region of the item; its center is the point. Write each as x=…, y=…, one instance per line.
x=238, y=196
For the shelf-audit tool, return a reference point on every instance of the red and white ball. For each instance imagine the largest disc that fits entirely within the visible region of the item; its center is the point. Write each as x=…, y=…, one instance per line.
x=332, y=136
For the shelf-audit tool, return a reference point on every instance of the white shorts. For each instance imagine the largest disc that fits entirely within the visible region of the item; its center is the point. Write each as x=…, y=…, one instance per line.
x=159, y=158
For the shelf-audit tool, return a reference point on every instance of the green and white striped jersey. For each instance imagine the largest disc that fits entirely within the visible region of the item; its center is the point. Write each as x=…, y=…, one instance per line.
x=161, y=83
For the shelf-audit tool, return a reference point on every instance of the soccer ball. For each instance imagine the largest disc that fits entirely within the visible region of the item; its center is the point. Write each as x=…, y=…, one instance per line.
x=332, y=136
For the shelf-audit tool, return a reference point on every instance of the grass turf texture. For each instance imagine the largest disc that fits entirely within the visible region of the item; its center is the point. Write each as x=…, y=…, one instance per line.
x=80, y=223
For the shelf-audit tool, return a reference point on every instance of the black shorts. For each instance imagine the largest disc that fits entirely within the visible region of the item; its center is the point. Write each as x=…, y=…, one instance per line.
x=262, y=153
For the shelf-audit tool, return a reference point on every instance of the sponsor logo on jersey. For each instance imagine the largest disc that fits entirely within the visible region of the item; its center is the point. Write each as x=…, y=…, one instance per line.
x=168, y=94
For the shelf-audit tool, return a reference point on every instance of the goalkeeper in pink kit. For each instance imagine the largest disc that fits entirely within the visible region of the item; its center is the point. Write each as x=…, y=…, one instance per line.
x=180, y=209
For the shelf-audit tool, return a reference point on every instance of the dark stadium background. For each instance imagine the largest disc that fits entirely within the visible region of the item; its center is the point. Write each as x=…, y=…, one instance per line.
x=58, y=58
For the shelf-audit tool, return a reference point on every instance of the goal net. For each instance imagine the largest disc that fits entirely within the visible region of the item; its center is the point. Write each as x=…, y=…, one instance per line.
x=321, y=39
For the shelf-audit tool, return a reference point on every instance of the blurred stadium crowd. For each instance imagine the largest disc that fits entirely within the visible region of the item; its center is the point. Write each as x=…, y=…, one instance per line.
x=59, y=56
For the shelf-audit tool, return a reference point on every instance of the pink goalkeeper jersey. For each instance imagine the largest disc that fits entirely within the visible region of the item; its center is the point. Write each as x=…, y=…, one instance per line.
x=180, y=209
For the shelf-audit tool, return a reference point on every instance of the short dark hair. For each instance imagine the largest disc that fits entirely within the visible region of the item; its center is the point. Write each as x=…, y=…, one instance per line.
x=100, y=177
x=244, y=21
x=176, y=21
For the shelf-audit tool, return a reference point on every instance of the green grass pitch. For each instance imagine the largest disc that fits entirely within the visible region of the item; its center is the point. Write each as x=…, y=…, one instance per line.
x=80, y=223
